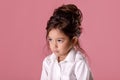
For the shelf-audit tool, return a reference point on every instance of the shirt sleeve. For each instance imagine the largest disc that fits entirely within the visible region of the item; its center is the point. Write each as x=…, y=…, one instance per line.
x=82, y=71
x=44, y=73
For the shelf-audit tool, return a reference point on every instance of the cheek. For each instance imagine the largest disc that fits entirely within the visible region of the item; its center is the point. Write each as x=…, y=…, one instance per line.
x=50, y=46
x=66, y=46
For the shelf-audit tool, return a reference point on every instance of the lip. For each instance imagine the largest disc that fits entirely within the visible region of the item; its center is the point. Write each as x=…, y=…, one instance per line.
x=55, y=51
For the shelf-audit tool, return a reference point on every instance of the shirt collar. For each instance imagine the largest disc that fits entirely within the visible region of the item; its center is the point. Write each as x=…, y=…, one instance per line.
x=53, y=57
x=70, y=56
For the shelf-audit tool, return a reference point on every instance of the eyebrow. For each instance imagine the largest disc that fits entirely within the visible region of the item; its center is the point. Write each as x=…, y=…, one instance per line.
x=57, y=38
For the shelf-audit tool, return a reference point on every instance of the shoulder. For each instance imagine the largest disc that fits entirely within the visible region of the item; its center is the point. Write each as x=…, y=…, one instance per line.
x=81, y=61
x=79, y=56
x=82, y=67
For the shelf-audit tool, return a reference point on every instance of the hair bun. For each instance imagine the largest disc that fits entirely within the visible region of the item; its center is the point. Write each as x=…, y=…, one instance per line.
x=70, y=12
x=68, y=19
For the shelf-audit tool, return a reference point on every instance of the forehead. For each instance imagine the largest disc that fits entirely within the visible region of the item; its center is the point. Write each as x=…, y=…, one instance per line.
x=56, y=33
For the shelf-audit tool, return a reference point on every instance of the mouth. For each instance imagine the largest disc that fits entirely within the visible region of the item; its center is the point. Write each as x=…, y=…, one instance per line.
x=55, y=51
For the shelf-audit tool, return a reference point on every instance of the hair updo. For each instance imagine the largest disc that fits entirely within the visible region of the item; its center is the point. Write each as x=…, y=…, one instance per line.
x=66, y=18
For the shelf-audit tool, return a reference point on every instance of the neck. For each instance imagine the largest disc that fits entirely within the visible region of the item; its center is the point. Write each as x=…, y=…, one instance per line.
x=61, y=58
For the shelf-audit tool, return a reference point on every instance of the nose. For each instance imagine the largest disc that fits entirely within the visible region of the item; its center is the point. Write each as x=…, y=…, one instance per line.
x=55, y=44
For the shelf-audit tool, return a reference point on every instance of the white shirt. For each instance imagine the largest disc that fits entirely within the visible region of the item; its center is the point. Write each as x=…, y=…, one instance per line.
x=73, y=67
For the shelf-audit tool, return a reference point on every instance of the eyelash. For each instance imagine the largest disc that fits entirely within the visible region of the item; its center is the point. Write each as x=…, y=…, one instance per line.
x=60, y=41
x=49, y=40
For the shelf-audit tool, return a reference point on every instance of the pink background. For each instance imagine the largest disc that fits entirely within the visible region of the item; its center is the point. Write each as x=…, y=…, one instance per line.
x=22, y=37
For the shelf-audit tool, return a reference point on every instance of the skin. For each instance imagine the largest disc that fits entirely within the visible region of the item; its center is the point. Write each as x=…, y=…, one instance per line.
x=59, y=43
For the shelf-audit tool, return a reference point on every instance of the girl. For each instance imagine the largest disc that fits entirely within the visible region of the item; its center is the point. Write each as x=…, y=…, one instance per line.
x=67, y=61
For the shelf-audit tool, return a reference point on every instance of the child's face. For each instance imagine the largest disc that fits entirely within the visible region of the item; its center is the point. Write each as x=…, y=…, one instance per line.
x=59, y=43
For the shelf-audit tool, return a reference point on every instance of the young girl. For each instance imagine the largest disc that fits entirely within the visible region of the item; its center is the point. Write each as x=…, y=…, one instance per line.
x=67, y=61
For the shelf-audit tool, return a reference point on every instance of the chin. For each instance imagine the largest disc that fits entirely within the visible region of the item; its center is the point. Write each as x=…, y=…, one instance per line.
x=57, y=54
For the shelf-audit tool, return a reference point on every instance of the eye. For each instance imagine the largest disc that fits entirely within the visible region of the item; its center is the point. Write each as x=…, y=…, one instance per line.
x=49, y=39
x=60, y=40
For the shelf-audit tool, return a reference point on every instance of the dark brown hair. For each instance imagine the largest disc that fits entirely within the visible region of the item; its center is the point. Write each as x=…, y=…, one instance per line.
x=66, y=18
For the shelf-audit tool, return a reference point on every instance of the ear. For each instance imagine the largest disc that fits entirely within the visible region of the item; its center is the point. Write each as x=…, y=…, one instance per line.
x=74, y=40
